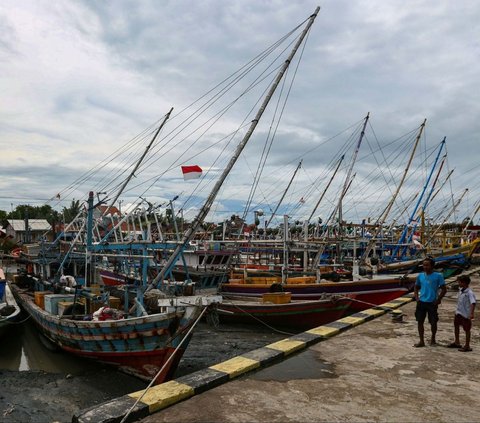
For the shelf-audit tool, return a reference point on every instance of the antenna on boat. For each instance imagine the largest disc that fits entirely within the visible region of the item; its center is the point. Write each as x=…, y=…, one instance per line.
x=202, y=214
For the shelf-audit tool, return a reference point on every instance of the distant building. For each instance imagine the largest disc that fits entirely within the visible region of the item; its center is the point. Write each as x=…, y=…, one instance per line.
x=37, y=228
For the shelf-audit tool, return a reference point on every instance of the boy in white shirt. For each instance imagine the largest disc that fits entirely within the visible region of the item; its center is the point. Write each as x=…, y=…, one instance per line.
x=464, y=313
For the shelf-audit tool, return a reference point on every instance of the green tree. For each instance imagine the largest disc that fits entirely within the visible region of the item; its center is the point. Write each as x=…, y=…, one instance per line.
x=69, y=213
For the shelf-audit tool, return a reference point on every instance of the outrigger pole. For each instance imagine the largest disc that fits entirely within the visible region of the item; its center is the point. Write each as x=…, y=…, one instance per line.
x=202, y=214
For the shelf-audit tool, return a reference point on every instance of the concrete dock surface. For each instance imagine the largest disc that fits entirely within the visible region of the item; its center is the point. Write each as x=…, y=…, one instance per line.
x=371, y=372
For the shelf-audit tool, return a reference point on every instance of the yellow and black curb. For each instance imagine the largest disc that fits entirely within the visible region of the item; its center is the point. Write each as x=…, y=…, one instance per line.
x=169, y=393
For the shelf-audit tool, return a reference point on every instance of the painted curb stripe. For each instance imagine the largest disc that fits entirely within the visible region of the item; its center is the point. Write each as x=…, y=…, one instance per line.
x=161, y=396
x=391, y=304
x=112, y=411
x=308, y=338
x=338, y=325
x=236, y=366
x=402, y=300
x=373, y=312
x=324, y=332
x=287, y=346
x=365, y=316
x=204, y=379
x=264, y=355
x=354, y=321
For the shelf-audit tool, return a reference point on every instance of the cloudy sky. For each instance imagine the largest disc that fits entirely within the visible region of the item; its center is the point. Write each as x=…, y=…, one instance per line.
x=84, y=84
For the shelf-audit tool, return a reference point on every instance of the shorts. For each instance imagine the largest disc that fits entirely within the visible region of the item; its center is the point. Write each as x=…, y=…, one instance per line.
x=424, y=309
x=465, y=323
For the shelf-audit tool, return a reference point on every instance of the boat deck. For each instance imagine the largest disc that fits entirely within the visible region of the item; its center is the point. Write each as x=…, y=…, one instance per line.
x=364, y=372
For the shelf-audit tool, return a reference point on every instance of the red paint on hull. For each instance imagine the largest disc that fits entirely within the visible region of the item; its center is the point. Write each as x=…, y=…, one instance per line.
x=297, y=315
x=145, y=364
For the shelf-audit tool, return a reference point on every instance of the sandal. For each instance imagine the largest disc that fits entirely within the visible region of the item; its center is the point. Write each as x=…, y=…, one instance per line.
x=454, y=345
x=463, y=349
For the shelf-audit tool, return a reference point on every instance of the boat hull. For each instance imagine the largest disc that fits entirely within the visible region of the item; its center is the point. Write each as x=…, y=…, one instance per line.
x=296, y=314
x=364, y=294
x=8, y=319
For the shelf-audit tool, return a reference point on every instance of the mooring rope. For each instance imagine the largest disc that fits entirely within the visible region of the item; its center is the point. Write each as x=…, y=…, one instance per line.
x=256, y=318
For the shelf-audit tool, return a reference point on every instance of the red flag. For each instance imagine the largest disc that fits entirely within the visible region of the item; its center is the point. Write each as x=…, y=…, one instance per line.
x=191, y=172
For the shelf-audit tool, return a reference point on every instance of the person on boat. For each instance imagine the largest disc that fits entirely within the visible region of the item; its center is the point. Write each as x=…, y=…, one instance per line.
x=464, y=313
x=428, y=299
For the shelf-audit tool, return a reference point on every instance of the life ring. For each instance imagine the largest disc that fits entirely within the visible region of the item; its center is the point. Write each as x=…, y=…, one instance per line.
x=16, y=252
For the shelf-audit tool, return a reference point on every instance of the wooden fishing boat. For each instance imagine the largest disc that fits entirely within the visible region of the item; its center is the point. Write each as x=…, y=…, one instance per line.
x=137, y=345
x=9, y=309
x=293, y=314
x=363, y=293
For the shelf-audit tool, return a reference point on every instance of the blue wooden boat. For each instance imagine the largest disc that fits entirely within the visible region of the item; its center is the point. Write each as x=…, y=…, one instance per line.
x=141, y=346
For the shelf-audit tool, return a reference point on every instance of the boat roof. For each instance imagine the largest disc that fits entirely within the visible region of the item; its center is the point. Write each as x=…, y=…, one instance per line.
x=34, y=224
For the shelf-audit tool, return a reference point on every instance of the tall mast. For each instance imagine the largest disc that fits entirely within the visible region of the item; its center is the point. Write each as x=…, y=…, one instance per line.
x=139, y=162
x=471, y=219
x=326, y=188
x=348, y=179
x=457, y=203
x=383, y=217
x=322, y=247
x=441, y=186
x=284, y=193
x=427, y=200
x=202, y=214
x=414, y=211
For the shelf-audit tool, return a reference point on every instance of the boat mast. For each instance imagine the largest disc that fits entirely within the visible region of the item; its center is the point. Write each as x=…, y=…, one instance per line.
x=414, y=211
x=321, y=249
x=211, y=198
x=326, y=188
x=383, y=217
x=139, y=162
x=441, y=186
x=471, y=219
x=427, y=200
x=457, y=203
x=346, y=185
x=284, y=193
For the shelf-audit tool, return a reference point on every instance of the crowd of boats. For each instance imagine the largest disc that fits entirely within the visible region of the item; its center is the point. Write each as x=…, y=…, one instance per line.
x=118, y=302
x=114, y=287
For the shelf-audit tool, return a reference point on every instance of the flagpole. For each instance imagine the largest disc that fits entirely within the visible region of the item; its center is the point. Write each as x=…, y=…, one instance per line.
x=211, y=198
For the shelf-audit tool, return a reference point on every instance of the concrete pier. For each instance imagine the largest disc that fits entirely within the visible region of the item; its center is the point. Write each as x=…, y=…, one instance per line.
x=371, y=372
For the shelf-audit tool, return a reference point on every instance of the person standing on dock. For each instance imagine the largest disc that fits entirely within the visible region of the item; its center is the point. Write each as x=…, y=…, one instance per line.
x=428, y=299
x=464, y=313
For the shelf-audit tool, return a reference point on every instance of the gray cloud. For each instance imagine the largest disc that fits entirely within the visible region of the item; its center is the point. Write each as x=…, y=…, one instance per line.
x=80, y=79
